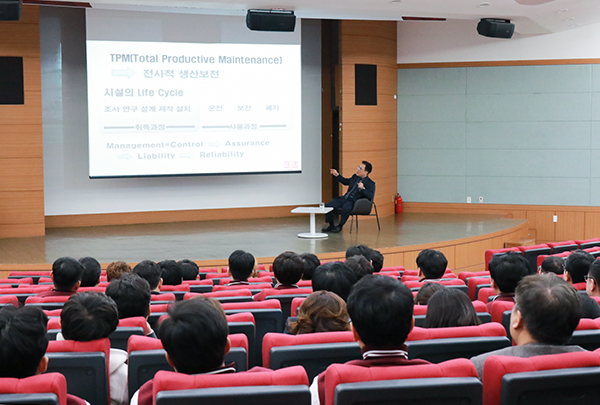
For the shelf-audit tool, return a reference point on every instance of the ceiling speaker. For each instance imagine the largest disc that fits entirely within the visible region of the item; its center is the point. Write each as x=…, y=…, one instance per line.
x=271, y=20
x=10, y=10
x=495, y=28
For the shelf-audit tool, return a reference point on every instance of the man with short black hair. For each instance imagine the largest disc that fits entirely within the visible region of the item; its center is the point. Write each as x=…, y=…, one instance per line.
x=432, y=264
x=89, y=316
x=592, y=286
x=506, y=271
x=577, y=267
x=381, y=309
x=311, y=262
x=242, y=265
x=189, y=269
x=91, y=272
x=552, y=264
x=149, y=271
x=132, y=295
x=335, y=277
x=546, y=312
x=360, y=265
x=66, y=276
x=376, y=260
x=288, y=268
x=362, y=250
x=359, y=185
x=170, y=272
x=23, y=344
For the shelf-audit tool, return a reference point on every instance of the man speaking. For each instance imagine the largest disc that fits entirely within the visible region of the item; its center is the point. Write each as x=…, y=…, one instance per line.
x=359, y=186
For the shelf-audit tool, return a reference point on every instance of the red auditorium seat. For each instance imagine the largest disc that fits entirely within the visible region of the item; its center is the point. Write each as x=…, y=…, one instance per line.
x=541, y=258
x=560, y=247
x=491, y=252
x=465, y=275
x=486, y=329
x=498, y=369
x=588, y=243
x=253, y=387
x=272, y=292
x=166, y=297
x=9, y=299
x=390, y=273
x=416, y=272
x=197, y=282
x=25, y=280
x=296, y=303
x=260, y=286
x=337, y=374
x=220, y=294
x=34, y=389
x=405, y=278
x=473, y=282
x=531, y=254
x=392, y=268
x=180, y=287
x=227, y=280
x=498, y=308
x=485, y=293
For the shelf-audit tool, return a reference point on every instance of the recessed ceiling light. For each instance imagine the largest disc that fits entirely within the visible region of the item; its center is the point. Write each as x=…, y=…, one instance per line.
x=484, y=4
x=569, y=19
x=564, y=10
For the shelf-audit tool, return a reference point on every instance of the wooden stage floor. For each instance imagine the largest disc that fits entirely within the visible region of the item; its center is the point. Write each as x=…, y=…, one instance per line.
x=215, y=240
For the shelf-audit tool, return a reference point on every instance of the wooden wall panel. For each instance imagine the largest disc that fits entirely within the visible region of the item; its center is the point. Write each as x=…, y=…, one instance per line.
x=542, y=222
x=592, y=225
x=570, y=225
x=21, y=144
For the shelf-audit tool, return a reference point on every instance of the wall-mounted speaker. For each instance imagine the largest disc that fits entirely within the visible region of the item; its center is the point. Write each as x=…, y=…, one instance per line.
x=10, y=10
x=495, y=28
x=271, y=20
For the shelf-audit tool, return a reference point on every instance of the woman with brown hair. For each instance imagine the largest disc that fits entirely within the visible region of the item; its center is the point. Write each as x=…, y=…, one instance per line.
x=321, y=311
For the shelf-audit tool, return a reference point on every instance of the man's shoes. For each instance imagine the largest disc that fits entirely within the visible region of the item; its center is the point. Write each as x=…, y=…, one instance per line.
x=328, y=229
x=336, y=229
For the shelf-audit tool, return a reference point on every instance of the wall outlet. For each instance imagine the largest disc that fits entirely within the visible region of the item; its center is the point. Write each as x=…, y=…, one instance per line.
x=480, y=199
x=468, y=200
x=555, y=218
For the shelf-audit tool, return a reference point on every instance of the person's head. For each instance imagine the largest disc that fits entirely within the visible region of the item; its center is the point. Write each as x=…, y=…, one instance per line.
x=362, y=250
x=23, y=341
x=242, y=265
x=195, y=335
x=376, y=260
x=553, y=264
x=592, y=286
x=335, y=277
x=288, y=268
x=66, y=274
x=170, y=272
x=426, y=291
x=364, y=168
x=507, y=270
x=360, y=265
x=577, y=266
x=91, y=272
x=450, y=307
x=88, y=316
x=547, y=310
x=131, y=293
x=321, y=311
x=311, y=262
x=149, y=271
x=189, y=269
x=432, y=264
x=381, y=310
x=116, y=269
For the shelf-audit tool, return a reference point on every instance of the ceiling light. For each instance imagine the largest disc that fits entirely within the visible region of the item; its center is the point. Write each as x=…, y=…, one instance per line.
x=564, y=10
x=484, y=4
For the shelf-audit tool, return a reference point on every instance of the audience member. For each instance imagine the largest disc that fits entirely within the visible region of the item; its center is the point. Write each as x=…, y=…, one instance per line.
x=335, y=277
x=432, y=264
x=189, y=269
x=132, y=295
x=450, y=307
x=195, y=339
x=91, y=272
x=362, y=250
x=311, y=262
x=593, y=279
x=170, y=272
x=426, y=291
x=546, y=312
x=381, y=309
x=288, y=268
x=321, y=311
x=577, y=267
x=23, y=344
x=376, y=260
x=552, y=264
x=360, y=265
x=506, y=271
x=149, y=271
x=89, y=316
x=116, y=269
x=66, y=276
x=242, y=265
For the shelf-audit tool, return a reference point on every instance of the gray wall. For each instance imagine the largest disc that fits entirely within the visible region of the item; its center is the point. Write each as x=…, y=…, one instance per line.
x=513, y=135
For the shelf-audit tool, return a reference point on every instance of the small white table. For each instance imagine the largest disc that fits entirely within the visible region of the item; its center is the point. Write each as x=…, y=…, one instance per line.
x=312, y=211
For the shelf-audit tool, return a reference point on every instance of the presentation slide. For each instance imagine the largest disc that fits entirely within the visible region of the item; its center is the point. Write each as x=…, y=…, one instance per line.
x=163, y=108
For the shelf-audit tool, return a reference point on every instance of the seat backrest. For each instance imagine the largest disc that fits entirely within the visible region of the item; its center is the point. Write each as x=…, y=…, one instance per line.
x=84, y=365
x=362, y=206
x=342, y=373
x=498, y=308
x=491, y=252
x=260, y=286
x=296, y=303
x=473, y=282
x=267, y=279
x=37, y=300
x=531, y=254
x=163, y=297
x=9, y=299
x=439, y=350
x=393, y=268
x=179, y=287
x=588, y=243
x=286, y=299
x=170, y=381
x=465, y=275
x=485, y=329
x=485, y=293
x=565, y=246
x=496, y=367
x=254, y=395
x=119, y=338
x=46, y=389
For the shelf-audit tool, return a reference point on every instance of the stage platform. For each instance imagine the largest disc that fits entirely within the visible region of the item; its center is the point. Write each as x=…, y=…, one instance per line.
x=211, y=242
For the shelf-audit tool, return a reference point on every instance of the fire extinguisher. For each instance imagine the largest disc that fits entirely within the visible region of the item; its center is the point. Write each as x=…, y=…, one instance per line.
x=398, y=202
